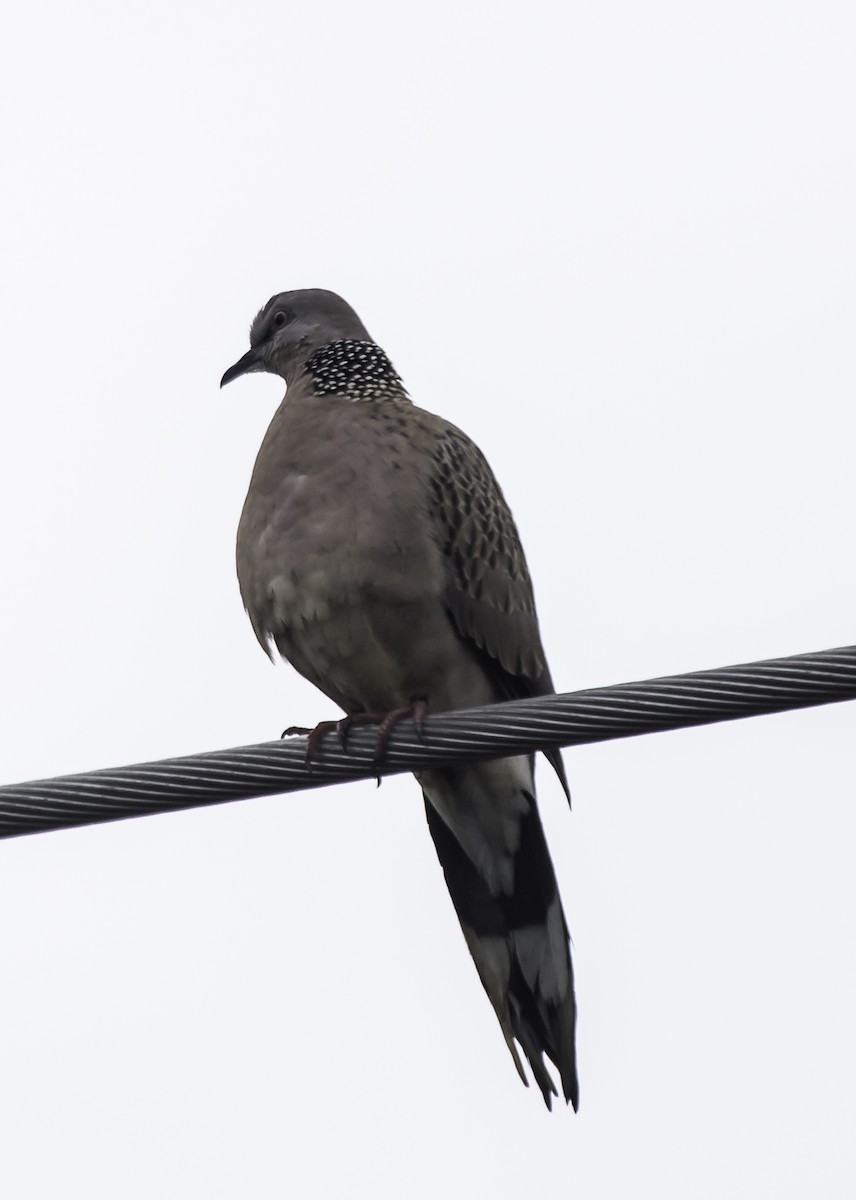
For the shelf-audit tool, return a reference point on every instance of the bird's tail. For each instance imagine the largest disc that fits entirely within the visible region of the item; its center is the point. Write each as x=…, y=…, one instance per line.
x=512, y=918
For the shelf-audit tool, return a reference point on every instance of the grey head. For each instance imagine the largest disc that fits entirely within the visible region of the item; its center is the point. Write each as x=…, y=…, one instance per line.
x=291, y=327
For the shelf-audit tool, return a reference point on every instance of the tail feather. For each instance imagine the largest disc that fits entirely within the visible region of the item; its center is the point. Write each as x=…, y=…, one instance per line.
x=519, y=941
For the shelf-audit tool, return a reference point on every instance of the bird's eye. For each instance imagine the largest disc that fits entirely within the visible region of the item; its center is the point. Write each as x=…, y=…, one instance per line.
x=281, y=318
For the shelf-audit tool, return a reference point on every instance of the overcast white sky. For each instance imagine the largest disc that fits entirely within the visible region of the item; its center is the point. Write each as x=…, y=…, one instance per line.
x=615, y=243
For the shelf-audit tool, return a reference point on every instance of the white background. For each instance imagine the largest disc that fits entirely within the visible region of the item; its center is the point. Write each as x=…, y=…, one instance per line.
x=615, y=243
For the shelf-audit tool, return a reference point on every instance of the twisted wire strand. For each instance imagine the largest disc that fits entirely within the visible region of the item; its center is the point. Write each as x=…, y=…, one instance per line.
x=516, y=727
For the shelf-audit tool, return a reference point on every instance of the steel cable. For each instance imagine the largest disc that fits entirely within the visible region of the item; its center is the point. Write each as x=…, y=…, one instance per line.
x=519, y=726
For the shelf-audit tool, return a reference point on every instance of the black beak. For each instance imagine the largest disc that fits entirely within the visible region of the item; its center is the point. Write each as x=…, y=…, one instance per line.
x=252, y=361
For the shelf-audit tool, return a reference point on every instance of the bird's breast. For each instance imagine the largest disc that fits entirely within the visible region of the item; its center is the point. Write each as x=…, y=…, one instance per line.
x=332, y=521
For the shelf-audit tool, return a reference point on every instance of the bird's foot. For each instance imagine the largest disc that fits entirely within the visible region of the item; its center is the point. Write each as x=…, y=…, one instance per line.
x=416, y=710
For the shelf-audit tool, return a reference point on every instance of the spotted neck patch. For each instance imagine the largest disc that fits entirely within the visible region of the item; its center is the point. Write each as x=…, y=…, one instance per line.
x=359, y=370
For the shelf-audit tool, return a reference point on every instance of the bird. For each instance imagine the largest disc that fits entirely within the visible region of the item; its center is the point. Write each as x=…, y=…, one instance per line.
x=377, y=555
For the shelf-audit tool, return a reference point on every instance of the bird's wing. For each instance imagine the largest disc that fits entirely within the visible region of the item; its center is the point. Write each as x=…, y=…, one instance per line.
x=489, y=592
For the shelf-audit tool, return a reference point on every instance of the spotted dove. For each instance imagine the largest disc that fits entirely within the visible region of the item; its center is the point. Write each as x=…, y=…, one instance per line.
x=377, y=554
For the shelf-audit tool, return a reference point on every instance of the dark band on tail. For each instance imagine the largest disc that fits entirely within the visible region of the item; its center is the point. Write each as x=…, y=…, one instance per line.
x=541, y=1025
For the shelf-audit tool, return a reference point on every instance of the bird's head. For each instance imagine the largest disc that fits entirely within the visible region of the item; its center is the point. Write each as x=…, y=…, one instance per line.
x=291, y=327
